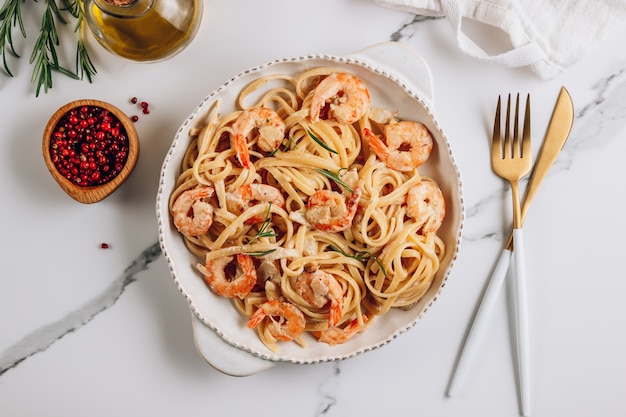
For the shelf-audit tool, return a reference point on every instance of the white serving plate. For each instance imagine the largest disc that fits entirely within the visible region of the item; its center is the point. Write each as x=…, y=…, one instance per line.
x=398, y=79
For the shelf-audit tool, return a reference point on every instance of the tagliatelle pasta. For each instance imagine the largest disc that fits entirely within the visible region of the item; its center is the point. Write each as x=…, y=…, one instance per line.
x=307, y=207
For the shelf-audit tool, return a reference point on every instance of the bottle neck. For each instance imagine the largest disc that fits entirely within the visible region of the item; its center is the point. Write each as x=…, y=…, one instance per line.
x=125, y=9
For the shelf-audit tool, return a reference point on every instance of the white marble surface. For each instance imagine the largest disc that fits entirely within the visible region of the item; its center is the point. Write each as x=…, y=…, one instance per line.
x=102, y=332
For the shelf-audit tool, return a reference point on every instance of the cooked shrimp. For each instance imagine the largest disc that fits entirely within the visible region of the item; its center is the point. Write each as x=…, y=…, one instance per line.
x=408, y=145
x=320, y=288
x=192, y=215
x=260, y=121
x=227, y=283
x=425, y=202
x=331, y=211
x=335, y=336
x=346, y=95
x=286, y=321
x=248, y=195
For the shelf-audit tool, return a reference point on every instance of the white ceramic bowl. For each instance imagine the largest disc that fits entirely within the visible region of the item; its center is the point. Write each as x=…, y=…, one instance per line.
x=398, y=79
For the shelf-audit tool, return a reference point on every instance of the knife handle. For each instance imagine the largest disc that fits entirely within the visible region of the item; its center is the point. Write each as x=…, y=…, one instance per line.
x=521, y=307
x=480, y=320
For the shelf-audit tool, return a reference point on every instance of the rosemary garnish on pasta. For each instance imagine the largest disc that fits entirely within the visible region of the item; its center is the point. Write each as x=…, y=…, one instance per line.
x=361, y=256
x=286, y=144
x=335, y=177
x=319, y=142
x=265, y=229
x=261, y=253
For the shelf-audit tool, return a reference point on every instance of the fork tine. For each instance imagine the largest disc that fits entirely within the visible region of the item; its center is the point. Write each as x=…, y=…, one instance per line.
x=515, y=150
x=496, y=145
x=507, y=130
x=526, y=132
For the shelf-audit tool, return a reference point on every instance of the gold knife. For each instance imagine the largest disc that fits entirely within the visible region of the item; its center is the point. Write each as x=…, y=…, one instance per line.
x=556, y=135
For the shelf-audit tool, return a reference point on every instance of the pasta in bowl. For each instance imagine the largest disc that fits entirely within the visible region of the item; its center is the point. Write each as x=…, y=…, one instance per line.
x=310, y=209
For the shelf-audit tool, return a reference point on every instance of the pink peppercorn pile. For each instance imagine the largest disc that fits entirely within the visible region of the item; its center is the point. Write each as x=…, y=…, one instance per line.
x=89, y=146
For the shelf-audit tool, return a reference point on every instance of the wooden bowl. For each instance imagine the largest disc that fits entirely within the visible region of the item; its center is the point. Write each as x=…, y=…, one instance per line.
x=91, y=192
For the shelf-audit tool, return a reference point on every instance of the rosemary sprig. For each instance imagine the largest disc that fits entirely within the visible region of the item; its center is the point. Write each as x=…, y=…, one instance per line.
x=285, y=145
x=361, y=256
x=261, y=253
x=44, y=57
x=10, y=15
x=319, y=142
x=74, y=8
x=84, y=66
x=335, y=177
x=265, y=230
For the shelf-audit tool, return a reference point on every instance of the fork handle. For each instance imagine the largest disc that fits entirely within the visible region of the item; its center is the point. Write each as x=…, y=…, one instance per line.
x=480, y=320
x=521, y=306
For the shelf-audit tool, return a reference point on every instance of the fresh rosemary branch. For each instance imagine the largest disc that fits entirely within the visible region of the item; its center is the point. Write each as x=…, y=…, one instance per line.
x=84, y=66
x=10, y=14
x=44, y=58
x=335, y=177
x=74, y=8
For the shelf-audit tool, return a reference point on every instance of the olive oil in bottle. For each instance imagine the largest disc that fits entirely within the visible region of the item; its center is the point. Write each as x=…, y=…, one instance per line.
x=144, y=30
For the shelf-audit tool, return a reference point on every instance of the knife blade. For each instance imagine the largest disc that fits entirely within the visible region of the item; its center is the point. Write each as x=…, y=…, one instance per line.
x=556, y=135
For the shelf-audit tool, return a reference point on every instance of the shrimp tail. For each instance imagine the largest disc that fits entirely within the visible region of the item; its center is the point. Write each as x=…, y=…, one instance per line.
x=203, y=193
x=316, y=109
x=336, y=336
x=241, y=150
x=354, y=325
x=334, y=315
x=378, y=146
x=246, y=264
x=256, y=318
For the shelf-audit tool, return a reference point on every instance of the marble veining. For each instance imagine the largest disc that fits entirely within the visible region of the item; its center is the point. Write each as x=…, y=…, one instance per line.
x=599, y=121
x=41, y=339
x=407, y=30
x=326, y=391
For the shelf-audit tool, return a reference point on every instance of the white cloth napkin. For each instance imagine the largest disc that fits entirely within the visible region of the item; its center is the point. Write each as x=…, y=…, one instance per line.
x=546, y=35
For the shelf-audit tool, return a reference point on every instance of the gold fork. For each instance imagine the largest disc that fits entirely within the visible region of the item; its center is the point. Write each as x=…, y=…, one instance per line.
x=512, y=160
x=508, y=159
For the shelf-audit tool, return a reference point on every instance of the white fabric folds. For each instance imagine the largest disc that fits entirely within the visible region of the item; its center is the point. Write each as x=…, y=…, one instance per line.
x=546, y=35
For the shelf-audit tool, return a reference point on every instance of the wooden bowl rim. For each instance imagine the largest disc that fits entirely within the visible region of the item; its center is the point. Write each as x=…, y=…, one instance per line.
x=92, y=194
